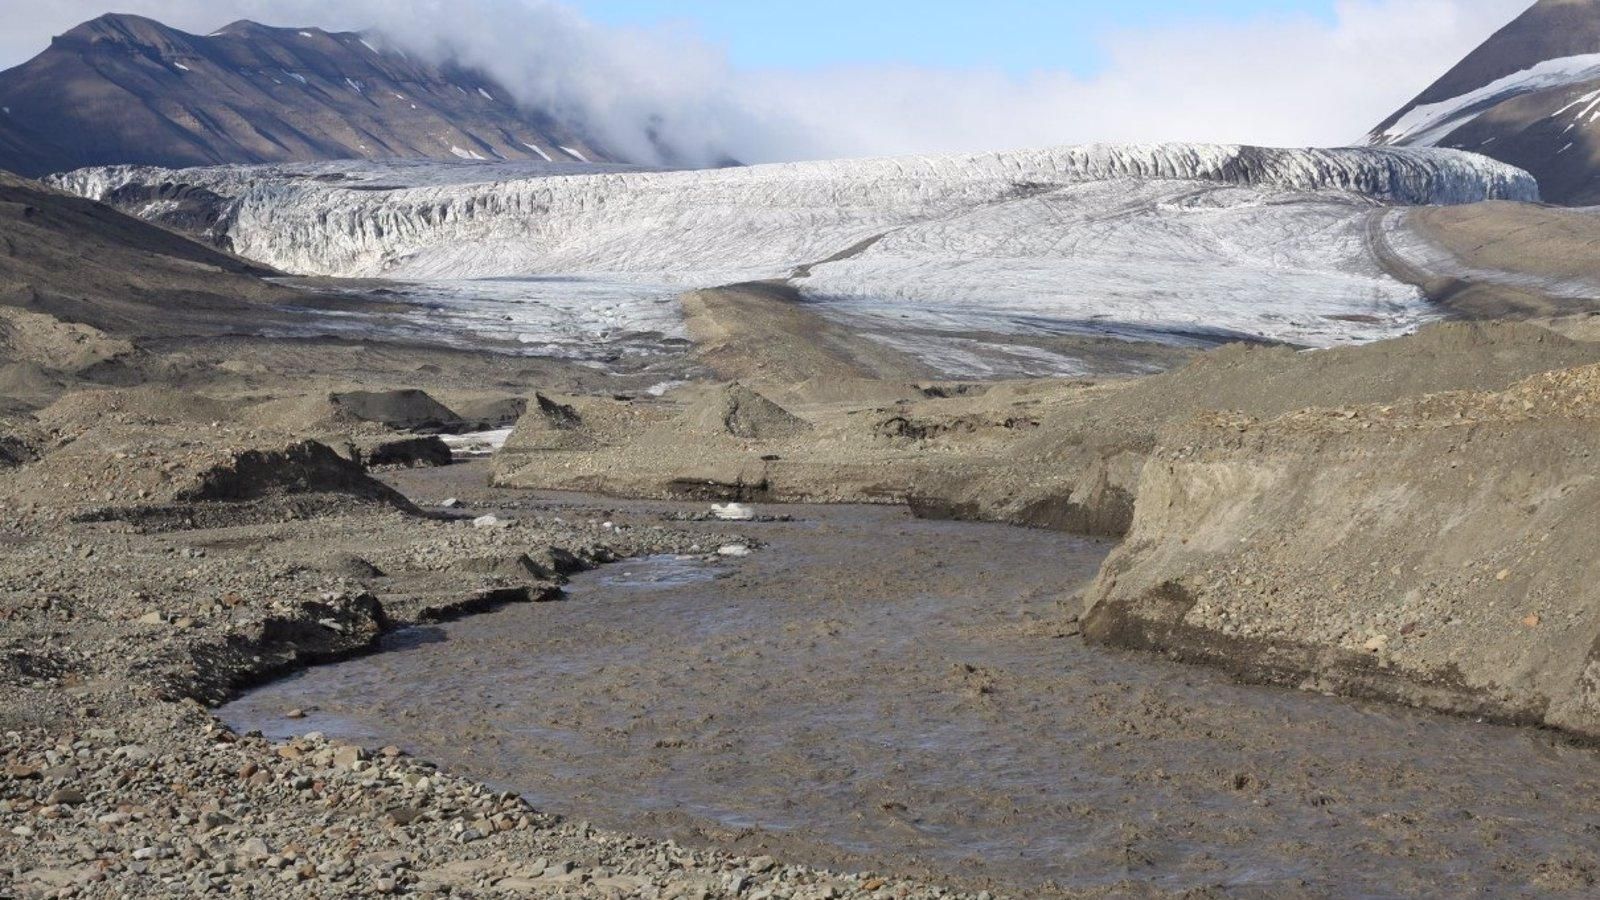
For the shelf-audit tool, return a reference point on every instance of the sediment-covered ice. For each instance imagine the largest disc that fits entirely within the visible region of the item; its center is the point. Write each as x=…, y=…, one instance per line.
x=1192, y=239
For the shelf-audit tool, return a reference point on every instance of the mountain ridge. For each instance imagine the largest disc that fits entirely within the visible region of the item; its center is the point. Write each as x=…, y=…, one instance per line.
x=125, y=89
x=1527, y=96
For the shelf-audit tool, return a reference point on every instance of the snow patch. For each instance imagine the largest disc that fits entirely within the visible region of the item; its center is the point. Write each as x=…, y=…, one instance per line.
x=180, y=65
x=467, y=154
x=541, y=153
x=356, y=86
x=1430, y=123
x=574, y=154
x=478, y=443
x=486, y=94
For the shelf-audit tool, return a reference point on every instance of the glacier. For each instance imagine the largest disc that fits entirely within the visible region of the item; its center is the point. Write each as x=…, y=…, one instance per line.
x=1179, y=242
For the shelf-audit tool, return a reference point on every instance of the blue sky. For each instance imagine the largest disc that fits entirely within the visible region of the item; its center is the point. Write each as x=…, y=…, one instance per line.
x=1018, y=36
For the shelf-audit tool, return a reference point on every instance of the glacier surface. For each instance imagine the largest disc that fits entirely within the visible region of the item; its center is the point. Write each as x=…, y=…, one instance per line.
x=1182, y=242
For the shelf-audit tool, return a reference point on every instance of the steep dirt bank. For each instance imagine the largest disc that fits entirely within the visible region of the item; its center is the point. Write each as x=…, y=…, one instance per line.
x=1433, y=551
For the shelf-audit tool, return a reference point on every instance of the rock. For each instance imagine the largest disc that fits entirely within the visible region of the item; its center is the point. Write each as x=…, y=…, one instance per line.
x=152, y=618
x=133, y=753
x=490, y=521
x=734, y=551
x=451, y=503
x=66, y=797
x=402, y=410
x=411, y=453
x=742, y=412
x=348, y=565
x=403, y=815
x=295, y=714
x=255, y=848
x=346, y=757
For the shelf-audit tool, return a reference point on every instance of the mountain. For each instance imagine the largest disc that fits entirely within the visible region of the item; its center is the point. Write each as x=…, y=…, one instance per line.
x=1529, y=96
x=126, y=89
x=86, y=263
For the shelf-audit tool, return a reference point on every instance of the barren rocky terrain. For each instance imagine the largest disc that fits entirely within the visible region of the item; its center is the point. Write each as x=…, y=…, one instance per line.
x=199, y=493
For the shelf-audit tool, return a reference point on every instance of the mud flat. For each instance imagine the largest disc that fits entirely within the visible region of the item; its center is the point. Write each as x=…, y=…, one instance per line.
x=870, y=691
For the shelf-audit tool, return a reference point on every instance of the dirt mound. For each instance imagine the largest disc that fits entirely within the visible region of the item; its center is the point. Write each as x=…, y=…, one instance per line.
x=762, y=332
x=50, y=342
x=83, y=410
x=121, y=469
x=306, y=467
x=409, y=452
x=18, y=444
x=549, y=425
x=1267, y=381
x=489, y=414
x=737, y=410
x=1433, y=551
x=403, y=410
x=27, y=386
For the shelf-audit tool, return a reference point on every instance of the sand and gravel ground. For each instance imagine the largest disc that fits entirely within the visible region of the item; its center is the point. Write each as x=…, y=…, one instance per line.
x=116, y=632
x=187, y=509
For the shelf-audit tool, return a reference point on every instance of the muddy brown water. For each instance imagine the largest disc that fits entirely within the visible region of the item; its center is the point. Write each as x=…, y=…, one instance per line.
x=869, y=691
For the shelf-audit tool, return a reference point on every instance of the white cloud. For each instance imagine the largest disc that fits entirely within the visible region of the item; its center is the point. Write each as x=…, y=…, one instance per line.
x=1287, y=80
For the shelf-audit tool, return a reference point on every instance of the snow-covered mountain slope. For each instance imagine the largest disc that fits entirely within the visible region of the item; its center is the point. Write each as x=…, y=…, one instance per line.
x=1427, y=124
x=1527, y=96
x=1176, y=240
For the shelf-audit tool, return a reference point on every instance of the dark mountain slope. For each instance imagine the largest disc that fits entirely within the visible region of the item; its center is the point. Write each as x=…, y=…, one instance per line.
x=86, y=263
x=125, y=89
x=1528, y=96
